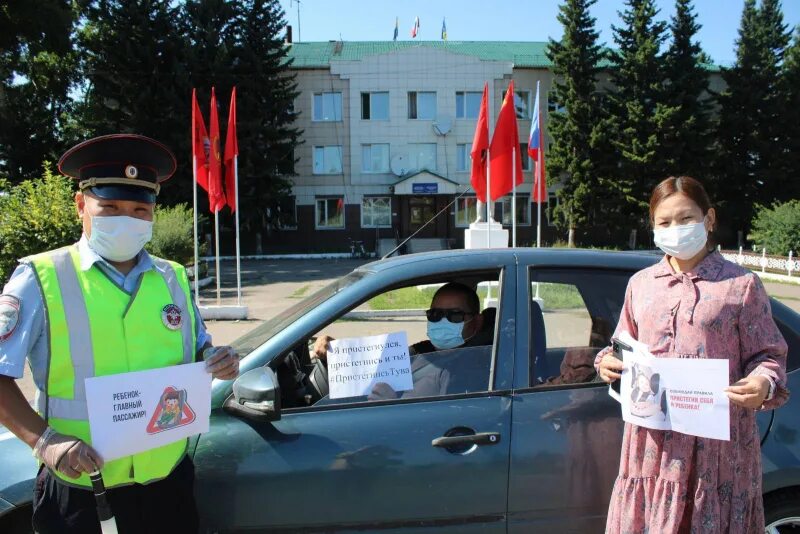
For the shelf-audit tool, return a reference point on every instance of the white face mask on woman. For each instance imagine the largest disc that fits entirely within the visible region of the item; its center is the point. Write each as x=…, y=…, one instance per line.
x=684, y=241
x=119, y=238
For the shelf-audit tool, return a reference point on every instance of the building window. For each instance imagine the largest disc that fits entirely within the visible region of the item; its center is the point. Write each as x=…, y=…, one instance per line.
x=327, y=106
x=523, y=210
x=553, y=105
x=375, y=158
x=522, y=103
x=328, y=159
x=527, y=162
x=421, y=105
x=376, y=212
x=284, y=217
x=552, y=203
x=423, y=156
x=466, y=210
x=468, y=104
x=464, y=157
x=330, y=212
x=375, y=106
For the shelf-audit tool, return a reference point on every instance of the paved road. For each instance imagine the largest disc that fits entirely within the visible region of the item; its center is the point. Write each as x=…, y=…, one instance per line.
x=272, y=286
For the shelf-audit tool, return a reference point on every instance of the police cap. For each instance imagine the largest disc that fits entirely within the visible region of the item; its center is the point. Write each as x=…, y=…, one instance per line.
x=119, y=166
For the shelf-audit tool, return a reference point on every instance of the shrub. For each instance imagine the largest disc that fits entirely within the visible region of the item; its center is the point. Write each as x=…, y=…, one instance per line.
x=777, y=228
x=173, y=234
x=36, y=216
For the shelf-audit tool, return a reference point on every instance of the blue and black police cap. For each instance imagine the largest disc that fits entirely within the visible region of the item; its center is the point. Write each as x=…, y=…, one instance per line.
x=119, y=166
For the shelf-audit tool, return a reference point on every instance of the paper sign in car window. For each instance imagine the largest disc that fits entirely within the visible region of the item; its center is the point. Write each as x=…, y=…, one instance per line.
x=356, y=364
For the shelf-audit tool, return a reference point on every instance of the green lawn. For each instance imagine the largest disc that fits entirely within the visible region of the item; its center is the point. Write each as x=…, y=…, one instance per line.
x=556, y=296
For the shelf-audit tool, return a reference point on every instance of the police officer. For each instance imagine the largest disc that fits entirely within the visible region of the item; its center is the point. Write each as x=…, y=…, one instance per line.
x=102, y=306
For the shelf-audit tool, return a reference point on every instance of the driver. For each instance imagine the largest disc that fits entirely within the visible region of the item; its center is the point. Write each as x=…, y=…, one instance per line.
x=454, y=321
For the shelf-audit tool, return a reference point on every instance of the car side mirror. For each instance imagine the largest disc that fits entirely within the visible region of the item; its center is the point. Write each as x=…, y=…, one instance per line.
x=257, y=395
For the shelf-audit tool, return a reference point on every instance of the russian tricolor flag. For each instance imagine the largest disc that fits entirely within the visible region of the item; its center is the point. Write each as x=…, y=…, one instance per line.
x=536, y=152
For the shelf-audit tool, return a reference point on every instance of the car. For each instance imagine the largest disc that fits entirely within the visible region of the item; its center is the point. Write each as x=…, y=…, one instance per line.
x=523, y=438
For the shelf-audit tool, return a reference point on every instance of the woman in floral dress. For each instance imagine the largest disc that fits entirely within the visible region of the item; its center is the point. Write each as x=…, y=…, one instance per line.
x=695, y=304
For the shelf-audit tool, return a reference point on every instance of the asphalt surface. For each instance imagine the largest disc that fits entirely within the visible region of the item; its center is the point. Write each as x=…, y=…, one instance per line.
x=269, y=287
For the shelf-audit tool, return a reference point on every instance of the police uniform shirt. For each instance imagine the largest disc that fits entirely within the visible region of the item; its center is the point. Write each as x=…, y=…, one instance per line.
x=30, y=335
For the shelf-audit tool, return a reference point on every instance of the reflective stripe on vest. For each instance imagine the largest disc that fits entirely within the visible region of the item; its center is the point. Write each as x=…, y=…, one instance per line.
x=97, y=329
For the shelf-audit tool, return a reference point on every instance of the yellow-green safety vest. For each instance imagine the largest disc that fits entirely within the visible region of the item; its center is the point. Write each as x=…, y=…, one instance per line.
x=96, y=328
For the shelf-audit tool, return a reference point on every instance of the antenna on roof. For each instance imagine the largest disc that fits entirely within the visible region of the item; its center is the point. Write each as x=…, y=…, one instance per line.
x=299, y=35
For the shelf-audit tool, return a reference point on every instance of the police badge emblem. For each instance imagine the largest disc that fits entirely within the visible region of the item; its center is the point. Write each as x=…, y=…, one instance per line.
x=9, y=316
x=172, y=316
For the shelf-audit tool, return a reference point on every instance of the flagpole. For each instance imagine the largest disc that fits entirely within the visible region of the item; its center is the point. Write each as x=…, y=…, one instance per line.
x=196, y=246
x=216, y=249
x=488, y=197
x=238, y=249
x=514, y=197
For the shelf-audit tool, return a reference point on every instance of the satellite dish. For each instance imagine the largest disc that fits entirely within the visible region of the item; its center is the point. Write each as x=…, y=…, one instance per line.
x=442, y=125
x=399, y=165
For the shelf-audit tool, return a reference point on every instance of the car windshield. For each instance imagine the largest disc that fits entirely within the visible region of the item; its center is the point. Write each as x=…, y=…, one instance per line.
x=259, y=335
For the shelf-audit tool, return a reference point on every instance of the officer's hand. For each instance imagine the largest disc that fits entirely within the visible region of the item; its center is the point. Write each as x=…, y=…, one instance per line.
x=382, y=391
x=320, y=350
x=222, y=362
x=68, y=455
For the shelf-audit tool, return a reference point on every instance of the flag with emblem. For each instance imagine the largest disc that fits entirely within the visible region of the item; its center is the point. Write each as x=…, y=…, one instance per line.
x=480, y=145
x=201, y=145
x=231, y=151
x=444, y=31
x=505, y=160
x=216, y=196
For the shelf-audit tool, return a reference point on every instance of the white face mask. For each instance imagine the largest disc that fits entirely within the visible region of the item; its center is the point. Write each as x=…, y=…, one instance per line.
x=684, y=241
x=119, y=238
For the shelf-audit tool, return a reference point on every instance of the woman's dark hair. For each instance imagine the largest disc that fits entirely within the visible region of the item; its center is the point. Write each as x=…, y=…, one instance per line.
x=685, y=185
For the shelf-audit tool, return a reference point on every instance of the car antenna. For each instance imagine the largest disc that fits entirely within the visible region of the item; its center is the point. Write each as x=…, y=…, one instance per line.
x=395, y=249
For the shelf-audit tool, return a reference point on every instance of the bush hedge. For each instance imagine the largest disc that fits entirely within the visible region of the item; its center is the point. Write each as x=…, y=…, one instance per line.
x=35, y=216
x=777, y=228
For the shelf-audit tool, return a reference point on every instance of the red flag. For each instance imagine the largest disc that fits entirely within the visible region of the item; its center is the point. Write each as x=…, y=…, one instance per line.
x=480, y=144
x=216, y=197
x=200, y=144
x=231, y=151
x=505, y=141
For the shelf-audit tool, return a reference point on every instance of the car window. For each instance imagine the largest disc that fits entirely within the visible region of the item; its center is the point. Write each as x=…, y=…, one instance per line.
x=462, y=369
x=573, y=313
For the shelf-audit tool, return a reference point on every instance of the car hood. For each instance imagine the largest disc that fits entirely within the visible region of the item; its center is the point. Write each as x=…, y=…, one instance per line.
x=17, y=470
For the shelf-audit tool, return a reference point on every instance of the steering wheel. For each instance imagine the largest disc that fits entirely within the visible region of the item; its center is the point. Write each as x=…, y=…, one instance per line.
x=318, y=378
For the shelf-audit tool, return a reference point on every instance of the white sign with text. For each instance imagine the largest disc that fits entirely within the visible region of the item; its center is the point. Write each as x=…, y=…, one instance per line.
x=138, y=411
x=356, y=364
x=686, y=395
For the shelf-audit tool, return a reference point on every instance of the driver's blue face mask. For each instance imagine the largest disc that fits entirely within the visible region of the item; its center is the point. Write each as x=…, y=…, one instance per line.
x=445, y=335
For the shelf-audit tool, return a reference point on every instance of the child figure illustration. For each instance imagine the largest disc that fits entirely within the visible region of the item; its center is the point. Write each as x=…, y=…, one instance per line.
x=170, y=410
x=645, y=391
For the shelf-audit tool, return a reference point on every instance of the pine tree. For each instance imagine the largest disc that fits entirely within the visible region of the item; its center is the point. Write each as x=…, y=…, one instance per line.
x=37, y=70
x=748, y=163
x=685, y=135
x=638, y=106
x=138, y=82
x=576, y=62
x=791, y=120
x=265, y=110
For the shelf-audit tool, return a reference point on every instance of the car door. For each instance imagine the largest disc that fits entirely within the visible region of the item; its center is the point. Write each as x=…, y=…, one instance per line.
x=566, y=429
x=369, y=466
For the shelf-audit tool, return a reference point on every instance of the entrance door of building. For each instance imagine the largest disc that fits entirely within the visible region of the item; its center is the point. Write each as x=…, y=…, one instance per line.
x=420, y=210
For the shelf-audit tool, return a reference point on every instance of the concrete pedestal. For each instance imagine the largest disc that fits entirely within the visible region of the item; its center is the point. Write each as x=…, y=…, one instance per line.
x=485, y=235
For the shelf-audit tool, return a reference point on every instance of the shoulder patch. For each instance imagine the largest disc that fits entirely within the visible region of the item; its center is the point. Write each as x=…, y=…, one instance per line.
x=9, y=315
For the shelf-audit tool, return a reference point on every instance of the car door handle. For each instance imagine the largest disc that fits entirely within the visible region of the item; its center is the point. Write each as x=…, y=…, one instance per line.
x=482, y=438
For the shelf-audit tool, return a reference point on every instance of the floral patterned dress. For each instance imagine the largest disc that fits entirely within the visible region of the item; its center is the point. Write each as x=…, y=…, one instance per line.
x=670, y=482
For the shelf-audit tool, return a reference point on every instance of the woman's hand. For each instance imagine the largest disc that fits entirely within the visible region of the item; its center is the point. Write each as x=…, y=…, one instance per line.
x=610, y=368
x=749, y=392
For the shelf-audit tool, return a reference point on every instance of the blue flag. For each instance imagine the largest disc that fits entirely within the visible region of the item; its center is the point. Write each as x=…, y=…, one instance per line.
x=396, y=27
x=444, y=31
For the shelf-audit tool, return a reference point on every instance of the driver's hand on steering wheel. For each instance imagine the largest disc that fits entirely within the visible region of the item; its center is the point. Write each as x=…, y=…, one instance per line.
x=320, y=348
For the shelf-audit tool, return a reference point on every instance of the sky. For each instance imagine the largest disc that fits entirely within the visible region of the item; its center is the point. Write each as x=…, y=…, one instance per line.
x=483, y=20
